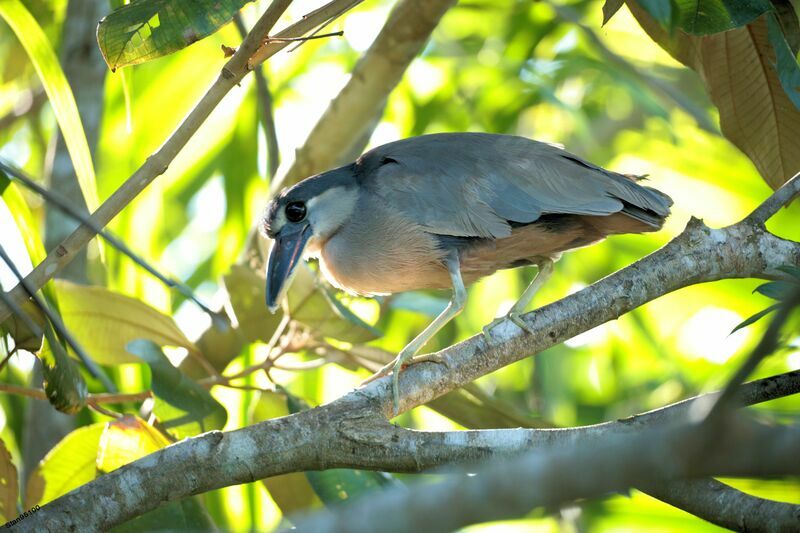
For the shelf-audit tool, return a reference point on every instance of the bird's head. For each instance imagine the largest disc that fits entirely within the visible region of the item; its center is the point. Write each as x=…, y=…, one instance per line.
x=300, y=219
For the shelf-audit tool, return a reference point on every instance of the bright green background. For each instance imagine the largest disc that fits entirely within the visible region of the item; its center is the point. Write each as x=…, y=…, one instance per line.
x=504, y=67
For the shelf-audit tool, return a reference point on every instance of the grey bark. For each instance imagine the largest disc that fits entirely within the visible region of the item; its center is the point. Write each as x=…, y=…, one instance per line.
x=587, y=468
x=85, y=71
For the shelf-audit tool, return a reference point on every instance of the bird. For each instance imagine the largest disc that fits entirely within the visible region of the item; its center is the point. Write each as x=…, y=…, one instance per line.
x=442, y=210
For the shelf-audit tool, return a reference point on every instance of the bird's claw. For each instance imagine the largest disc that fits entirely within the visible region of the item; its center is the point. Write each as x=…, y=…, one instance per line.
x=396, y=366
x=512, y=316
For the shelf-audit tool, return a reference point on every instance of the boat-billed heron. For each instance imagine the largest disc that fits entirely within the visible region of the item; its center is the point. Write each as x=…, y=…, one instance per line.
x=443, y=210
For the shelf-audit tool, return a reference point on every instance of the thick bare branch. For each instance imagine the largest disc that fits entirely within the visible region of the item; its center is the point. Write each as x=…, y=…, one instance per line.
x=558, y=474
x=726, y=506
x=378, y=71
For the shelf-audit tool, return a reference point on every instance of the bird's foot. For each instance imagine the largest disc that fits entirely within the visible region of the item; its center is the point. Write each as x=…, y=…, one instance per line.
x=403, y=359
x=512, y=316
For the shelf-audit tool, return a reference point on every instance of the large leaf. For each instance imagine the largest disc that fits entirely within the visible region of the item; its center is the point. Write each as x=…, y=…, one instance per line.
x=246, y=291
x=104, y=322
x=58, y=91
x=704, y=17
x=184, y=515
x=147, y=29
x=738, y=70
x=70, y=464
x=126, y=440
x=313, y=305
x=183, y=406
x=131, y=438
x=9, y=485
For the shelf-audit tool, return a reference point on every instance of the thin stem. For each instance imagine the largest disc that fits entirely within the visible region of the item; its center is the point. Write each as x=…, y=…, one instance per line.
x=219, y=319
x=58, y=325
x=310, y=37
x=780, y=198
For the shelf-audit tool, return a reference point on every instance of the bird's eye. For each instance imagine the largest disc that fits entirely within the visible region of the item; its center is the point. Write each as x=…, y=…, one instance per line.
x=295, y=211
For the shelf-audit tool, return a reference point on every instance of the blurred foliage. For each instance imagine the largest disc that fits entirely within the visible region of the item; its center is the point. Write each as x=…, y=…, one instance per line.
x=550, y=71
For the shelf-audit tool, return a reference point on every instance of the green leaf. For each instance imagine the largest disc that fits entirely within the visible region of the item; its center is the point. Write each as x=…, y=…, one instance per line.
x=147, y=29
x=791, y=270
x=786, y=63
x=755, y=318
x=9, y=485
x=63, y=383
x=246, y=291
x=18, y=207
x=183, y=406
x=104, y=322
x=419, y=302
x=777, y=290
x=339, y=485
x=58, y=91
x=661, y=10
x=15, y=202
x=704, y=17
x=184, y=515
x=70, y=464
x=610, y=8
x=311, y=303
x=755, y=112
x=125, y=440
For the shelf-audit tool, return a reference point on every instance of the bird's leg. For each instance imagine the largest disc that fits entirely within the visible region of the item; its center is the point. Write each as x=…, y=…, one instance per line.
x=545, y=271
x=406, y=355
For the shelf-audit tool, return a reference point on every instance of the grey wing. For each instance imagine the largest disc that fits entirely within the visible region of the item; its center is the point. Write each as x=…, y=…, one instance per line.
x=472, y=184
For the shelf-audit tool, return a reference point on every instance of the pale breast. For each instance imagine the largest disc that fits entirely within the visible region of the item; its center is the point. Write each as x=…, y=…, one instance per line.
x=380, y=252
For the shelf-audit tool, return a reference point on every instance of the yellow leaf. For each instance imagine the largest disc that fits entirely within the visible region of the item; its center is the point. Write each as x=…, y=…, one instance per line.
x=70, y=464
x=126, y=440
x=9, y=486
x=104, y=322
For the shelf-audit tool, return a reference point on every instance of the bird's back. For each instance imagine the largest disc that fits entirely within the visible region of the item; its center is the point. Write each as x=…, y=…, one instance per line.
x=479, y=184
x=500, y=201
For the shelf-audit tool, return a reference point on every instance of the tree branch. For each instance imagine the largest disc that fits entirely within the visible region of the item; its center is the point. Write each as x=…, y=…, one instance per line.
x=376, y=74
x=726, y=506
x=562, y=473
x=232, y=73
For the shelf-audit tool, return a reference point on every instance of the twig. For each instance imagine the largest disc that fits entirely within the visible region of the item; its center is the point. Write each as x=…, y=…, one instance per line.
x=726, y=506
x=265, y=105
x=767, y=345
x=780, y=198
x=295, y=39
x=376, y=74
x=59, y=326
x=39, y=394
x=232, y=73
x=83, y=218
